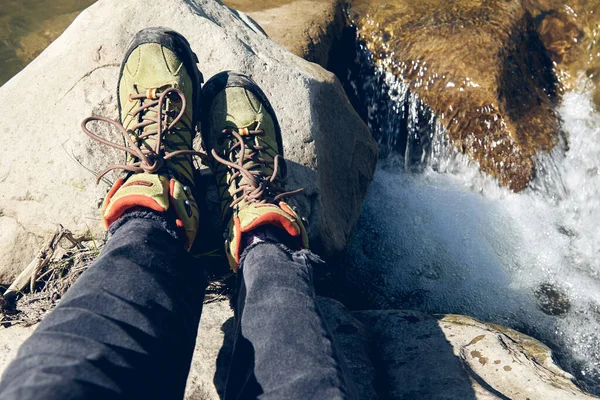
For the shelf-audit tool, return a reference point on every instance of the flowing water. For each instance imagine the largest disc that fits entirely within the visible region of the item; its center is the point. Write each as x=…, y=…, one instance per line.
x=439, y=236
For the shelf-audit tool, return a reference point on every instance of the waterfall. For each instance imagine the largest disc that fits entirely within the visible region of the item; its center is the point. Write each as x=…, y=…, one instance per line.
x=439, y=236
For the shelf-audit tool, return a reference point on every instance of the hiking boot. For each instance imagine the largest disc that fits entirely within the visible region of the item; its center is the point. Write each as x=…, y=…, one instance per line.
x=241, y=133
x=159, y=98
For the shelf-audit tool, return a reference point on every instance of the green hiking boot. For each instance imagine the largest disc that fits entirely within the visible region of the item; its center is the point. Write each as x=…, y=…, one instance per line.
x=241, y=133
x=159, y=98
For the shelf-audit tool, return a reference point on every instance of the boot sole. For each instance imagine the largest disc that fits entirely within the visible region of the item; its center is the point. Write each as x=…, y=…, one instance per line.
x=227, y=79
x=179, y=45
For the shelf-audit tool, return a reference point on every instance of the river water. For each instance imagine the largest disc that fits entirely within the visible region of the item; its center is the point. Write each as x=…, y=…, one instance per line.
x=446, y=238
x=28, y=26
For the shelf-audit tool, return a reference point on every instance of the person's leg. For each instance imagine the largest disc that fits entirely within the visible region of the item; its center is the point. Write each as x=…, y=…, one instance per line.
x=126, y=329
x=283, y=348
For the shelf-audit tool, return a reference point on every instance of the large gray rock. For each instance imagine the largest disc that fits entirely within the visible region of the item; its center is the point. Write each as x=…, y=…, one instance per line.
x=45, y=162
x=208, y=372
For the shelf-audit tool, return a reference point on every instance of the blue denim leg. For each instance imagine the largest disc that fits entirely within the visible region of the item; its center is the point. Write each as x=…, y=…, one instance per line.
x=125, y=330
x=283, y=348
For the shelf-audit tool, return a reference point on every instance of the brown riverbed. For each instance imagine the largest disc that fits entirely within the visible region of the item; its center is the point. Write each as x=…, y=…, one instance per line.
x=27, y=27
x=492, y=71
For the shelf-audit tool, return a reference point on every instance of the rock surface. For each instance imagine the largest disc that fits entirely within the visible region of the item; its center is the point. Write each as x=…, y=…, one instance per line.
x=46, y=176
x=214, y=344
x=353, y=339
x=571, y=36
x=420, y=356
x=482, y=69
x=393, y=355
x=10, y=341
x=307, y=28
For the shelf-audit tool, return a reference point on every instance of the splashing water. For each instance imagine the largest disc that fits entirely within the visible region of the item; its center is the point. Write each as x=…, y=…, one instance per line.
x=450, y=240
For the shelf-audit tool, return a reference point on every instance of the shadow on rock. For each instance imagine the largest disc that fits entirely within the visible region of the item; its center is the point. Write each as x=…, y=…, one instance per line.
x=224, y=357
x=412, y=357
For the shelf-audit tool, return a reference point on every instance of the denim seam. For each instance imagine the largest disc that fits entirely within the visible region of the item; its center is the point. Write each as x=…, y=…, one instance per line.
x=326, y=333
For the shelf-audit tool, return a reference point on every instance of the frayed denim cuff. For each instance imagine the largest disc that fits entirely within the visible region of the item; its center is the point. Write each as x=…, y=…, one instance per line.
x=312, y=257
x=160, y=218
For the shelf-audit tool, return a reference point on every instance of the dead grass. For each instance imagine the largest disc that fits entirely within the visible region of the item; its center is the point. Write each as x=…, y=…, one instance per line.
x=56, y=267
x=47, y=278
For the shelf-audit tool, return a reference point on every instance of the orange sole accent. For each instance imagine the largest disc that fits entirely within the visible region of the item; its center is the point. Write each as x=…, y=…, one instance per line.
x=272, y=218
x=171, y=187
x=108, y=197
x=269, y=218
x=127, y=202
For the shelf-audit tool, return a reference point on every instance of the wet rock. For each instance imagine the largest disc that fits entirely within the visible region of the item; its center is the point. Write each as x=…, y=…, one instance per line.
x=307, y=28
x=48, y=166
x=570, y=33
x=482, y=69
x=552, y=300
x=456, y=357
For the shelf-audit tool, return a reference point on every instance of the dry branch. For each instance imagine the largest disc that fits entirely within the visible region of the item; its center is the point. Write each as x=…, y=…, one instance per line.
x=46, y=279
x=41, y=259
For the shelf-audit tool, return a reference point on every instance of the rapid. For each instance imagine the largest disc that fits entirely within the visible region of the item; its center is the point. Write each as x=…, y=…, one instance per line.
x=439, y=236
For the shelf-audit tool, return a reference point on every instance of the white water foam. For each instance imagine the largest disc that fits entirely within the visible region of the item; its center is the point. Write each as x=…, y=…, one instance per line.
x=450, y=240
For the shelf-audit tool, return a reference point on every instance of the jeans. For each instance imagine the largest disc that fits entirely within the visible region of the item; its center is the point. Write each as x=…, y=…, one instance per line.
x=127, y=328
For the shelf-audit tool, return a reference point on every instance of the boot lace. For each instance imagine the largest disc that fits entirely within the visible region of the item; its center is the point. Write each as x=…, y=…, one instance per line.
x=254, y=185
x=149, y=159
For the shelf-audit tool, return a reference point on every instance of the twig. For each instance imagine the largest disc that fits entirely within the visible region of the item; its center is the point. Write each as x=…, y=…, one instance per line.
x=214, y=299
x=41, y=259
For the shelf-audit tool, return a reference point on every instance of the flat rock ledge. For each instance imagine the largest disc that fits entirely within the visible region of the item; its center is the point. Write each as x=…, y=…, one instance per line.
x=46, y=173
x=392, y=354
x=307, y=28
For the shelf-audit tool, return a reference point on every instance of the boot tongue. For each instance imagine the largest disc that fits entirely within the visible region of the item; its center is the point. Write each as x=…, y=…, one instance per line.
x=254, y=140
x=152, y=113
x=149, y=142
x=249, y=140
